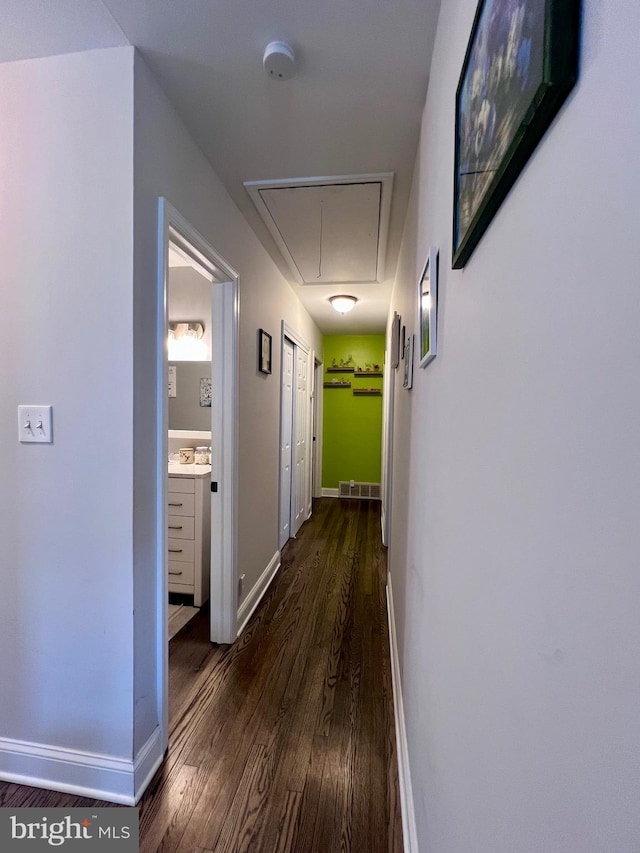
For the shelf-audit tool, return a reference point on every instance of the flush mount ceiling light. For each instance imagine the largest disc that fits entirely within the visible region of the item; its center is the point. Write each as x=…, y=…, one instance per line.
x=279, y=60
x=343, y=304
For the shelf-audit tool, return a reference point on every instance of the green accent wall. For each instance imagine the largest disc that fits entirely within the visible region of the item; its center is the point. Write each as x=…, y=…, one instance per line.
x=352, y=425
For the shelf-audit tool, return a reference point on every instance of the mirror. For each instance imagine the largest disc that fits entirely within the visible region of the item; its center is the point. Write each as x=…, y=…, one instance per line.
x=190, y=408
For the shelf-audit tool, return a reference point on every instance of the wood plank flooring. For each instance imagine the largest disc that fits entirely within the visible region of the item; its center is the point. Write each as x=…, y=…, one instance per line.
x=285, y=740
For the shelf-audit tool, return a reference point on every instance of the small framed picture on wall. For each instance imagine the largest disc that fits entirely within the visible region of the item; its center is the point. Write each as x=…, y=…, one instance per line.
x=428, y=309
x=408, y=363
x=395, y=340
x=264, y=351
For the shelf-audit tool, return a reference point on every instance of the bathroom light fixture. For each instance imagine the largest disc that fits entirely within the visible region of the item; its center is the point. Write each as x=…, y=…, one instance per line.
x=343, y=304
x=185, y=342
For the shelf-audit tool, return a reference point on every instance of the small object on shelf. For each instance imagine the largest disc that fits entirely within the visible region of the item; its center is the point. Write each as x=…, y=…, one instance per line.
x=342, y=364
x=370, y=369
x=367, y=392
x=337, y=384
x=202, y=456
x=187, y=456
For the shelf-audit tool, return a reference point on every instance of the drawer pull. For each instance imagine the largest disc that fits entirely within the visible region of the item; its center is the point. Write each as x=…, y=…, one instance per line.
x=175, y=573
x=170, y=504
x=175, y=527
x=176, y=550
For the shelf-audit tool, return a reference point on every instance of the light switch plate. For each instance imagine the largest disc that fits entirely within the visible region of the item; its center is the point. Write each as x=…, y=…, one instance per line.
x=35, y=424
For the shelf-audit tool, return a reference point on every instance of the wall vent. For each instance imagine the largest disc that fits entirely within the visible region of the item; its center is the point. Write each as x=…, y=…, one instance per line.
x=368, y=491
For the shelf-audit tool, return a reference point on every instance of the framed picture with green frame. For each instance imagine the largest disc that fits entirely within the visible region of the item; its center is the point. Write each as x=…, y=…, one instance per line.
x=520, y=65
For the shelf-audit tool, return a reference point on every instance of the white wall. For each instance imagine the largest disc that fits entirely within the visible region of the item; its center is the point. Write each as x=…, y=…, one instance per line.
x=66, y=215
x=515, y=539
x=168, y=163
x=77, y=518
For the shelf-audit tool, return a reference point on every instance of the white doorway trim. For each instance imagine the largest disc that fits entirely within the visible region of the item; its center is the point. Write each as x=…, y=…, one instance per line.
x=173, y=227
x=224, y=462
x=317, y=427
x=388, y=403
x=294, y=337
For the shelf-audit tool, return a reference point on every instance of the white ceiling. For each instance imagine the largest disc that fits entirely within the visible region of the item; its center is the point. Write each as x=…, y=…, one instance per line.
x=354, y=105
x=31, y=28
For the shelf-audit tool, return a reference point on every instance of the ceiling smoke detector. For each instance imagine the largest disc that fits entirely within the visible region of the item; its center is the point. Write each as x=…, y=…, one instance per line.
x=279, y=60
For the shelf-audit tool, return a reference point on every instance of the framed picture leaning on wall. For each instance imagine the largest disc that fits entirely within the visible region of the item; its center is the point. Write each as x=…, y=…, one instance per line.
x=520, y=65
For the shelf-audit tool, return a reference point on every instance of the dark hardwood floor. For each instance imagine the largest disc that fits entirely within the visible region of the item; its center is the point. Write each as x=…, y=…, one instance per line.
x=285, y=740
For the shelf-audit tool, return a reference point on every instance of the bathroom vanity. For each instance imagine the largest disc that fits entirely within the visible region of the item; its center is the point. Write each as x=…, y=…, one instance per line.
x=189, y=499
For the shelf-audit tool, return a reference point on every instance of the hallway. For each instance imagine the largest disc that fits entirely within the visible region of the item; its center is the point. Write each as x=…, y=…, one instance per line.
x=285, y=741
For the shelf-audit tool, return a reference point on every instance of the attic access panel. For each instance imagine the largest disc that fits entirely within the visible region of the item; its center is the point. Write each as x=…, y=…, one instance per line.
x=329, y=230
x=330, y=233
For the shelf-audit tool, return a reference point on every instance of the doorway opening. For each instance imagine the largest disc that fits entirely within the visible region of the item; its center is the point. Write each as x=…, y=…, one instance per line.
x=317, y=428
x=197, y=515
x=388, y=403
x=189, y=314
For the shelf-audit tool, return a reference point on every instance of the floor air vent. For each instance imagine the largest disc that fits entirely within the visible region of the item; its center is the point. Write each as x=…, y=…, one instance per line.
x=369, y=491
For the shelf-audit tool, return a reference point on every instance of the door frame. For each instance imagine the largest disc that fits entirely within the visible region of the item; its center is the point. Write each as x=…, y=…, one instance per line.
x=173, y=227
x=388, y=407
x=318, y=404
x=286, y=416
x=298, y=341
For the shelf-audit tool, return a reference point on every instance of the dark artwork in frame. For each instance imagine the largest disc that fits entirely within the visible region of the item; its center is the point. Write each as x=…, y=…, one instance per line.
x=520, y=65
x=264, y=351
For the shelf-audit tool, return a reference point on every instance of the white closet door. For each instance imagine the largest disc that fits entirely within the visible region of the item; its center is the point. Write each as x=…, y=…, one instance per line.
x=286, y=448
x=301, y=427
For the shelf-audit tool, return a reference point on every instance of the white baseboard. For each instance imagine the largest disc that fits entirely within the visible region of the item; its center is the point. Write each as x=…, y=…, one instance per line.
x=409, y=831
x=149, y=759
x=83, y=774
x=245, y=611
x=383, y=523
x=330, y=493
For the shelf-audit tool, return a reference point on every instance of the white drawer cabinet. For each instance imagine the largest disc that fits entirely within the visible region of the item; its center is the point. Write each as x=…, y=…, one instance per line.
x=181, y=504
x=181, y=527
x=181, y=550
x=189, y=541
x=181, y=573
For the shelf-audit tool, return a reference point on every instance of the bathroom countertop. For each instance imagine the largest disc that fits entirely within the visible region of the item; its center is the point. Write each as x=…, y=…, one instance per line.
x=178, y=470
